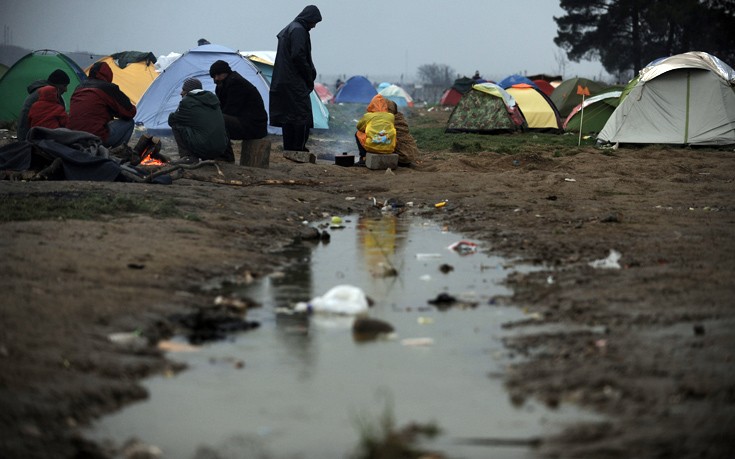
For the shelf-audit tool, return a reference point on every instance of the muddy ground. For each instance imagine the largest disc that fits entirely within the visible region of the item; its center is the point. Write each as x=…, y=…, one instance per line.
x=654, y=351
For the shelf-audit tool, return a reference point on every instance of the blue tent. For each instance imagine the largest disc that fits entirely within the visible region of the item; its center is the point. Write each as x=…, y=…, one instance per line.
x=509, y=81
x=357, y=89
x=163, y=95
x=318, y=110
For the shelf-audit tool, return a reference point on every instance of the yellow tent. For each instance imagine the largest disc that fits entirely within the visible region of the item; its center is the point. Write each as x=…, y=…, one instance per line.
x=539, y=111
x=132, y=71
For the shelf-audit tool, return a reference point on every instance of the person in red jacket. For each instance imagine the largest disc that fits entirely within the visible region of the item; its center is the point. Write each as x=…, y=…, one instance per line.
x=99, y=107
x=47, y=111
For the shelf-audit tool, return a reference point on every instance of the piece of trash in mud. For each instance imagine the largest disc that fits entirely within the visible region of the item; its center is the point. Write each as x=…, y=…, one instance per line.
x=698, y=329
x=463, y=247
x=128, y=339
x=368, y=329
x=136, y=266
x=440, y=204
x=425, y=256
x=212, y=323
x=551, y=197
x=234, y=303
x=325, y=237
x=336, y=220
x=612, y=218
x=445, y=268
x=443, y=300
x=417, y=342
x=569, y=180
x=425, y=320
x=350, y=198
x=384, y=270
x=341, y=299
x=550, y=280
x=611, y=262
x=174, y=346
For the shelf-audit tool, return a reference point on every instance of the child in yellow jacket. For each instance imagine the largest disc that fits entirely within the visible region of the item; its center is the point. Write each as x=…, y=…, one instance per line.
x=376, y=132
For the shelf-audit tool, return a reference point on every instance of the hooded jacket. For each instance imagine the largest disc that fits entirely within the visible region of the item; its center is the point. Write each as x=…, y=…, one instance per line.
x=46, y=111
x=376, y=129
x=240, y=98
x=198, y=120
x=28, y=102
x=96, y=101
x=294, y=72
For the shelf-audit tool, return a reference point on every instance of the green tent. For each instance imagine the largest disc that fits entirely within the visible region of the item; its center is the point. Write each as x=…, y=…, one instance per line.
x=597, y=110
x=486, y=109
x=565, y=95
x=34, y=66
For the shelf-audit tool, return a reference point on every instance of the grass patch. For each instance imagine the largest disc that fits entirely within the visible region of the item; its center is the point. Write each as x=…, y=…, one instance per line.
x=81, y=206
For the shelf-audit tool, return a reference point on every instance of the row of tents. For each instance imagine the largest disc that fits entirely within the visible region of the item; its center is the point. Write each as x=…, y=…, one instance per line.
x=685, y=99
x=155, y=90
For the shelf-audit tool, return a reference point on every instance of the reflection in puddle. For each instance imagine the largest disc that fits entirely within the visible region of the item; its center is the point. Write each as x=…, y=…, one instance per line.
x=303, y=381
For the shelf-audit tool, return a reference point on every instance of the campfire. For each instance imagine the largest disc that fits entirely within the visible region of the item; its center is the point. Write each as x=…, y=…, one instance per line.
x=148, y=149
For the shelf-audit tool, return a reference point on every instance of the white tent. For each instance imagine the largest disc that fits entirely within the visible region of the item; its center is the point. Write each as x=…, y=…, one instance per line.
x=685, y=99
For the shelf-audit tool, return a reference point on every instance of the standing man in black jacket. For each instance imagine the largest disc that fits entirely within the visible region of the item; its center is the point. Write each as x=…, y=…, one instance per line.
x=293, y=80
x=242, y=106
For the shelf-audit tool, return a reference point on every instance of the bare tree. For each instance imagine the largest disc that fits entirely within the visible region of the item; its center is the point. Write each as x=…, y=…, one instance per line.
x=434, y=78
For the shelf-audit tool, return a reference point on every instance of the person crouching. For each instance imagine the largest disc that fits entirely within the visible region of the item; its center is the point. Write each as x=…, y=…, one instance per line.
x=198, y=125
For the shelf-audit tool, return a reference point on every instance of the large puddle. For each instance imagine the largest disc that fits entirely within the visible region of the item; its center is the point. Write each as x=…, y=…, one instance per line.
x=302, y=386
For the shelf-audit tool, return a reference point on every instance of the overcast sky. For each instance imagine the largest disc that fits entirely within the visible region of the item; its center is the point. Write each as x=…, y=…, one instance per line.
x=376, y=38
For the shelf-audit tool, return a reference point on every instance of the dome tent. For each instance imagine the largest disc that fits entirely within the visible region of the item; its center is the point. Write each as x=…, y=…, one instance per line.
x=34, y=66
x=132, y=71
x=686, y=99
x=357, y=89
x=163, y=95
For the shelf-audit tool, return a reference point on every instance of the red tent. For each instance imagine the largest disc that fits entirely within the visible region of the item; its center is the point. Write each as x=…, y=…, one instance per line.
x=323, y=92
x=450, y=97
x=544, y=86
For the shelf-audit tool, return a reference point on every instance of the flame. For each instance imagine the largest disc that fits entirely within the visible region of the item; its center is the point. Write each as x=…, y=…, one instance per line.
x=148, y=160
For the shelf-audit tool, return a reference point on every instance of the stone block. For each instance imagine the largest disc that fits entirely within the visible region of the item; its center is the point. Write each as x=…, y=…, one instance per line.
x=300, y=156
x=381, y=161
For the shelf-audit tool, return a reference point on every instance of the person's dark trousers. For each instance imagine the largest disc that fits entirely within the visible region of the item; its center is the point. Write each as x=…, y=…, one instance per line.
x=360, y=148
x=295, y=137
x=183, y=150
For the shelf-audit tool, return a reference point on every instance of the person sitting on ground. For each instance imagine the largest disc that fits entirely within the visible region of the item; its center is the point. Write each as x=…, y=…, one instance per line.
x=99, y=107
x=59, y=79
x=241, y=104
x=406, y=148
x=376, y=132
x=47, y=111
x=198, y=125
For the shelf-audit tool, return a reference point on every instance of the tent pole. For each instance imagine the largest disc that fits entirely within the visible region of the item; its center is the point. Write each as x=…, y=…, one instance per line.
x=581, y=123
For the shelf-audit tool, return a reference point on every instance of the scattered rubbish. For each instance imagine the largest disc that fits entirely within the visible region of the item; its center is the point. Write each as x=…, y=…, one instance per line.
x=550, y=280
x=136, y=266
x=342, y=299
x=440, y=204
x=551, y=197
x=425, y=278
x=212, y=323
x=350, y=198
x=424, y=256
x=173, y=346
x=367, y=329
x=464, y=247
x=336, y=223
x=234, y=303
x=128, y=339
x=698, y=329
x=445, y=268
x=569, y=180
x=516, y=162
x=417, y=342
x=443, y=300
x=611, y=262
x=325, y=237
x=425, y=320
